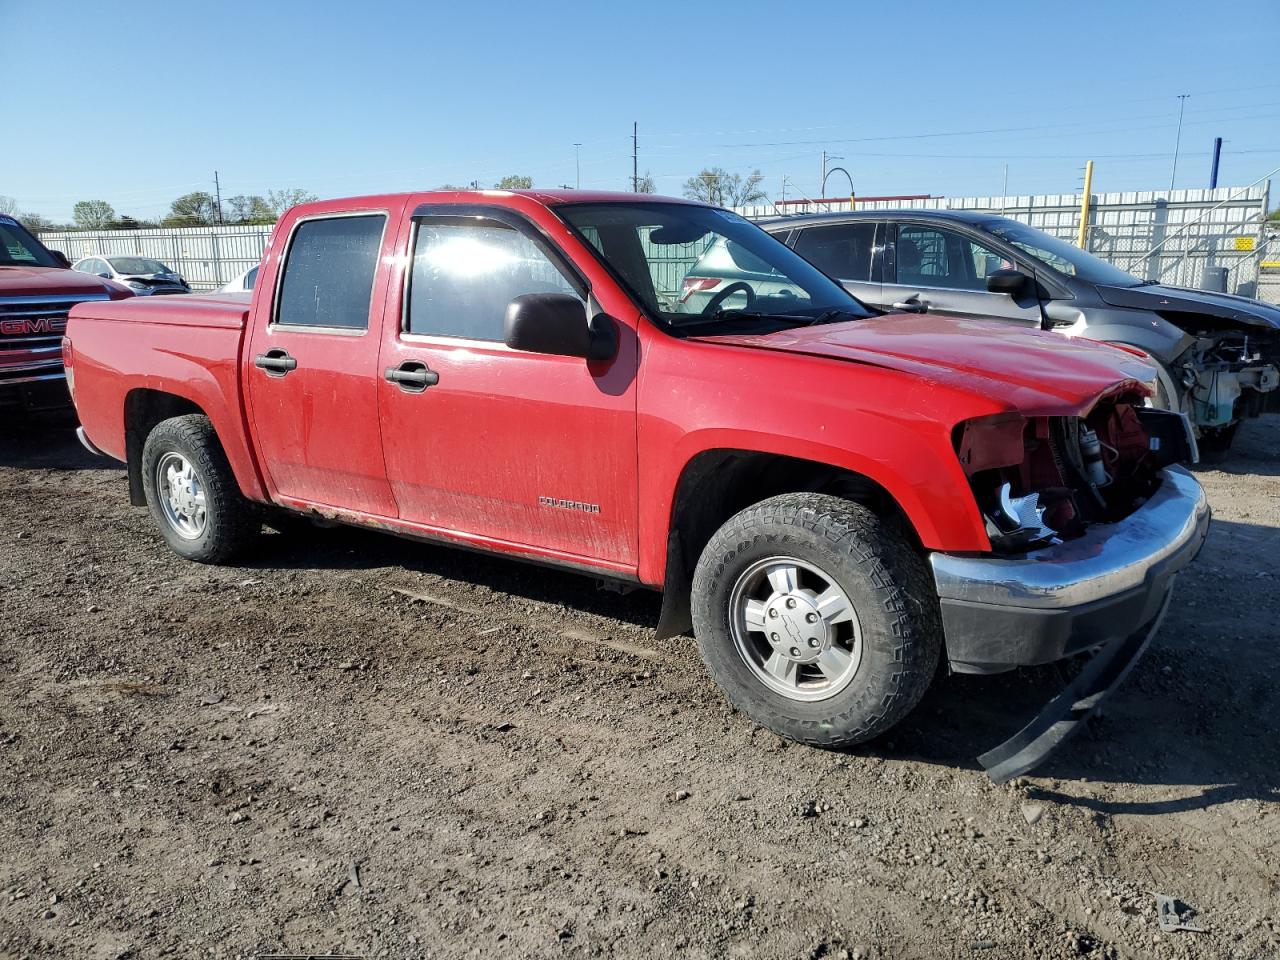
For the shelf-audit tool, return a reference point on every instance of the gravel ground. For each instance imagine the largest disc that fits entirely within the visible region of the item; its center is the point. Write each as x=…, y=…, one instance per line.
x=354, y=744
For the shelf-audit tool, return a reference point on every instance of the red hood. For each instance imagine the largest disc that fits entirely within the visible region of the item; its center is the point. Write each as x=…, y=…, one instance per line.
x=52, y=281
x=1036, y=372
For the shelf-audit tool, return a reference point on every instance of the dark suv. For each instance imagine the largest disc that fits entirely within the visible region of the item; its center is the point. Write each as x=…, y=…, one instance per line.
x=1217, y=355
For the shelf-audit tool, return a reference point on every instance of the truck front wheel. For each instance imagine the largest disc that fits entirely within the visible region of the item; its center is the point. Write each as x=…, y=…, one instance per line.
x=192, y=494
x=816, y=618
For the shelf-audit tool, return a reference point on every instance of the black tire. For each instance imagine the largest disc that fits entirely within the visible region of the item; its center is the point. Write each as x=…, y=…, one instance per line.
x=883, y=576
x=230, y=523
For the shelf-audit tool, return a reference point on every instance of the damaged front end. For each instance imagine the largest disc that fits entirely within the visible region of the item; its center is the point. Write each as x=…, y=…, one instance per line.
x=1089, y=518
x=1046, y=479
x=1228, y=375
x=1221, y=353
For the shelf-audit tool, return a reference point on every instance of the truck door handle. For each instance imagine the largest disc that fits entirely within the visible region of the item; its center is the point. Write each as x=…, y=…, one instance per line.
x=912, y=305
x=413, y=376
x=275, y=362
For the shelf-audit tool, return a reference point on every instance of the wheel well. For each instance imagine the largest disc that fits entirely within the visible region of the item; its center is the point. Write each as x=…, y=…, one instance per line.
x=716, y=484
x=143, y=409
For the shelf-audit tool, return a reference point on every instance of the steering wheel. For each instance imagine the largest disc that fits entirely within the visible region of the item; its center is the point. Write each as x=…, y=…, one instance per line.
x=739, y=286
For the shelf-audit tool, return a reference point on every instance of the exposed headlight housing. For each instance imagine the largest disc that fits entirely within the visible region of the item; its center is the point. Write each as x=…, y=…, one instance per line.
x=1017, y=520
x=136, y=285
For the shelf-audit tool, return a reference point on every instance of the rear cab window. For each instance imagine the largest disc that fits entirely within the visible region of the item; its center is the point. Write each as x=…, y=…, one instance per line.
x=327, y=282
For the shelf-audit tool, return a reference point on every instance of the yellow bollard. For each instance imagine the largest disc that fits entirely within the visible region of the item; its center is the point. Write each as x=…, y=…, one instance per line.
x=1083, y=237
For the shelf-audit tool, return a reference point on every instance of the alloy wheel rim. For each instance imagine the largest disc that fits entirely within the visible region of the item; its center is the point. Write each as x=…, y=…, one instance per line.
x=795, y=628
x=182, y=496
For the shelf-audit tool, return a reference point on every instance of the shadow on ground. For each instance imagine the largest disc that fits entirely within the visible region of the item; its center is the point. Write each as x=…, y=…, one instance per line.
x=47, y=441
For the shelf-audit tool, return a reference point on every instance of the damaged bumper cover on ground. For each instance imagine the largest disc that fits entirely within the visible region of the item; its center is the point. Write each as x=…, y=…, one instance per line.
x=1106, y=589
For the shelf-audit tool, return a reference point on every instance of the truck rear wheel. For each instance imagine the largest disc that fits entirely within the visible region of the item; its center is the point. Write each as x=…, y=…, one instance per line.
x=816, y=618
x=192, y=494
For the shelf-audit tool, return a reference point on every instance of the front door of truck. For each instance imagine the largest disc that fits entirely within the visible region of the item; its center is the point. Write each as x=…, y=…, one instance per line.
x=312, y=373
x=933, y=268
x=496, y=445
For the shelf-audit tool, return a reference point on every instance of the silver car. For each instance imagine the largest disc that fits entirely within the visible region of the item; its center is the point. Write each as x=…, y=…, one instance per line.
x=142, y=275
x=728, y=276
x=241, y=284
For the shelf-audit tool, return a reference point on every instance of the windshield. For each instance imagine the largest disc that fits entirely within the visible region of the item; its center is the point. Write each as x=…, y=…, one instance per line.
x=20, y=249
x=694, y=266
x=128, y=265
x=1060, y=255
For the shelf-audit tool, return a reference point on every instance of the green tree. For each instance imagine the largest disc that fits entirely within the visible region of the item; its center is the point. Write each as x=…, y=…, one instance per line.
x=278, y=201
x=251, y=209
x=191, y=210
x=717, y=186
x=93, y=214
x=1274, y=214
x=36, y=223
x=514, y=182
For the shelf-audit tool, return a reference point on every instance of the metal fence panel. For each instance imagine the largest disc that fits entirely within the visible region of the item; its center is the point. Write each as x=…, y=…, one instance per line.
x=1159, y=235
x=1165, y=236
x=206, y=256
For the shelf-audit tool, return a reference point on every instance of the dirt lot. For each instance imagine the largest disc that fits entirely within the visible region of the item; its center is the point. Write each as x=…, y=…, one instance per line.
x=292, y=757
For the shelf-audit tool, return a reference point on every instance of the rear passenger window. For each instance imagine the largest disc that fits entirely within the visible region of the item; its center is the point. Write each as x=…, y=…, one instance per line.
x=328, y=276
x=466, y=272
x=842, y=250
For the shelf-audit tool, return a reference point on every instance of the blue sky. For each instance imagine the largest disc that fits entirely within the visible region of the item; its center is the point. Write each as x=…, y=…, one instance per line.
x=343, y=98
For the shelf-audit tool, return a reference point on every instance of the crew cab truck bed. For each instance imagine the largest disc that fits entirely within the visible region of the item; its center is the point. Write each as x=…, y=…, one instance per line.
x=831, y=499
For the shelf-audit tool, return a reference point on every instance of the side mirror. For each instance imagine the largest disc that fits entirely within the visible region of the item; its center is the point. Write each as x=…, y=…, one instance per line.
x=104, y=275
x=62, y=259
x=556, y=323
x=1012, y=282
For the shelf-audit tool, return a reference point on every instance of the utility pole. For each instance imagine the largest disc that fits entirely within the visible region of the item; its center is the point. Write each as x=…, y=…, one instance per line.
x=635, y=161
x=217, y=190
x=1177, y=142
x=1217, y=155
x=577, y=166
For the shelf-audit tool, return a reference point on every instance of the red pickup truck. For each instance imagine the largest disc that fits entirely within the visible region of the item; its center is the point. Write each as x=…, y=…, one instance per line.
x=831, y=498
x=36, y=291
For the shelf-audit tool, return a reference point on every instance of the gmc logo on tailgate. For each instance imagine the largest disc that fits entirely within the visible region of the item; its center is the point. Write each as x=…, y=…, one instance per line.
x=13, y=328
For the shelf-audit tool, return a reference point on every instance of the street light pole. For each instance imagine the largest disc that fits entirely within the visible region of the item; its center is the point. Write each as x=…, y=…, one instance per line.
x=826, y=158
x=577, y=166
x=1177, y=142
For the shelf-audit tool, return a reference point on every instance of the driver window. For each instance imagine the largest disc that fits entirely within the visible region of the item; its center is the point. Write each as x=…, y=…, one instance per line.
x=465, y=273
x=930, y=257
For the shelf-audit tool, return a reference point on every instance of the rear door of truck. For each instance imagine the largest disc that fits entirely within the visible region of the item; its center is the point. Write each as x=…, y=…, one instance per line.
x=312, y=378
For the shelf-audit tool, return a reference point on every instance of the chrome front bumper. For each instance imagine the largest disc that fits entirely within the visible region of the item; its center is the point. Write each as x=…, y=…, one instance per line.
x=1003, y=612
